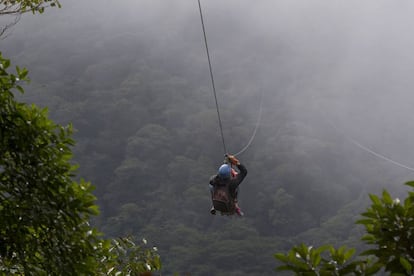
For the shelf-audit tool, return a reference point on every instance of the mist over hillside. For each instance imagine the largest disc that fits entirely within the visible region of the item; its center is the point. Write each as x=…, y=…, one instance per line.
x=322, y=77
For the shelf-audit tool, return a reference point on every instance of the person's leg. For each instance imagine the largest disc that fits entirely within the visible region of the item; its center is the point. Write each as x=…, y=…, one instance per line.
x=238, y=210
x=236, y=203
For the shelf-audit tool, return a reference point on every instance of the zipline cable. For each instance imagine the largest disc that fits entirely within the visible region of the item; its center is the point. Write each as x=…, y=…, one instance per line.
x=376, y=154
x=256, y=127
x=212, y=78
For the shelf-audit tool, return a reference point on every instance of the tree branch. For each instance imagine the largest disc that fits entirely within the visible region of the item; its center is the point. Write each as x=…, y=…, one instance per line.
x=10, y=7
x=3, y=29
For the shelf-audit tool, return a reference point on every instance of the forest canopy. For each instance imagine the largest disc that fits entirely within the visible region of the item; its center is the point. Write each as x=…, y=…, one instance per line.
x=134, y=85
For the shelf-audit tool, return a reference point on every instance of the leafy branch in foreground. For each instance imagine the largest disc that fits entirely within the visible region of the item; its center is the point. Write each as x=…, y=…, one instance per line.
x=13, y=7
x=125, y=257
x=324, y=260
x=44, y=214
x=389, y=229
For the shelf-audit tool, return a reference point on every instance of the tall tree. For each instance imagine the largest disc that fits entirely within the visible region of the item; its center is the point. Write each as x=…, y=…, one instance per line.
x=44, y=213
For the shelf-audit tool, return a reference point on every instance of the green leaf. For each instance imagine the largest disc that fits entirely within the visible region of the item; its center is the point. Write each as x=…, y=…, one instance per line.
x=281, y=257
x=323, y=248
x=373, y=269
x=6, y=63
x=410, y=183
x=93, y=210
x=406, y=264
x=369, y=239
x=348, y=254
x=370, y=214
x=21, y=90
x=316, y=260
x=386, y=197
x=372, y=252
x=23, y=74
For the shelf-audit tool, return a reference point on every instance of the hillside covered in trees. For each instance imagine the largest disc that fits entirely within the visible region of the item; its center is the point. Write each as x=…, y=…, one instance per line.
x=134, y=83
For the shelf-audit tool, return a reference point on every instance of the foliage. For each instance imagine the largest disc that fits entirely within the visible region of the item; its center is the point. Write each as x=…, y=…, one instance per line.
x=324, y=260
x=125, y=257
x=22, y=6
x=389, y=229
x=146, y=137
x=44, y=214
x=16, y=8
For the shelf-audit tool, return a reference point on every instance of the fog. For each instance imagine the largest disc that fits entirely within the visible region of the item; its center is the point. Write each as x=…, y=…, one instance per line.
x=347, y=62
x=327, y=82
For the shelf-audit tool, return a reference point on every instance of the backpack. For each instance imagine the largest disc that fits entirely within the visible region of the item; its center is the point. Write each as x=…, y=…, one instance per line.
x=222, y=200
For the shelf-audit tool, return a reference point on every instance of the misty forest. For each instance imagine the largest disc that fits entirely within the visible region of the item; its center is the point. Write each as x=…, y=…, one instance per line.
x=315, y=95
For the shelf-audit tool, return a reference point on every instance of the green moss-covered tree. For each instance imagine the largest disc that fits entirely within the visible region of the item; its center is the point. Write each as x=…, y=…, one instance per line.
x=389, y=226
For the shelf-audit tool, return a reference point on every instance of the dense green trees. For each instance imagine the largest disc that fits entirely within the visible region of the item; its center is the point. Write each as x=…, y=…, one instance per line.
x=146, y=136
x=389, y=226
x=44, y=213
x=44, y=225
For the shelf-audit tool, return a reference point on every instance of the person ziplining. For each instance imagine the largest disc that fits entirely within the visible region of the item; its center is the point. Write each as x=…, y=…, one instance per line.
x=224, y=185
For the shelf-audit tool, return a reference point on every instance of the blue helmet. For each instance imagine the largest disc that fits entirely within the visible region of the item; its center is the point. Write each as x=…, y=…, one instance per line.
x=224, y=171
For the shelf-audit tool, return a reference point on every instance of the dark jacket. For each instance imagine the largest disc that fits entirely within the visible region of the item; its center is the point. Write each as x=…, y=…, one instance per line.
x=233, y=183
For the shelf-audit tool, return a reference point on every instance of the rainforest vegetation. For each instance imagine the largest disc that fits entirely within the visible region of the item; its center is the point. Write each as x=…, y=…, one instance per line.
x=124, y=118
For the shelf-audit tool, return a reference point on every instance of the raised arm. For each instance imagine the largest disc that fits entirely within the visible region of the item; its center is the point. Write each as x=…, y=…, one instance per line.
x=242, y=169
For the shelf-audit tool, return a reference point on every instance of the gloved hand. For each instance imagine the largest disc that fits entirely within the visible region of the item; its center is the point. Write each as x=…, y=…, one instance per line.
x=233, y=160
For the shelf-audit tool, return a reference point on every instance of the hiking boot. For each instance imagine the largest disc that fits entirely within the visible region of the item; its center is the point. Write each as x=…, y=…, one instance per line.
x=239, y=212
x=212, y=211
x=237, y=208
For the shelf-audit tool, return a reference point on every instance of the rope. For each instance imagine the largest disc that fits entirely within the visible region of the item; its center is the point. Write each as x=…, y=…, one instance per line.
x=376, y=154
x=212, y=78
x=256, y=127
x=381, y=156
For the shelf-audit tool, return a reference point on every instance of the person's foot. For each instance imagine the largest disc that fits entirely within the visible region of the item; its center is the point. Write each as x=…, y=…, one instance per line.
x=239, y=211
x=212, y=211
